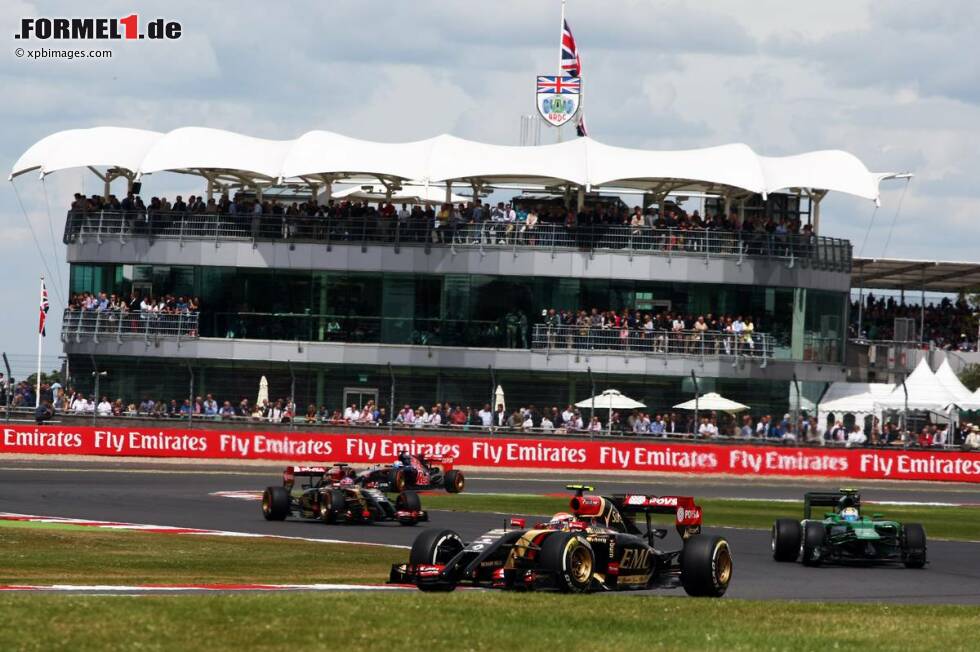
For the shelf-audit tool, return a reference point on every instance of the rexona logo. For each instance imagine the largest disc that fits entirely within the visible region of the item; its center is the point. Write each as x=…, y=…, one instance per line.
x=98, y=29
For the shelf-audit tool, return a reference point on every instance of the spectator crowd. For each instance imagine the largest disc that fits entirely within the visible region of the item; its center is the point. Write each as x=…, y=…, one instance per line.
x=525, y=221
x=708, y=425
x=949, y=325
x=115, y=303
x=657, y=331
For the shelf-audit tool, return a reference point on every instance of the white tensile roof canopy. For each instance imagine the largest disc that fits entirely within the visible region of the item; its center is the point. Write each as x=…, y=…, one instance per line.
x=322, y=157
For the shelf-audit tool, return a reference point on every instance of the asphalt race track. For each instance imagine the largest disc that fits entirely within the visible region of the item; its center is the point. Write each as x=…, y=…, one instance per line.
x=182, y=496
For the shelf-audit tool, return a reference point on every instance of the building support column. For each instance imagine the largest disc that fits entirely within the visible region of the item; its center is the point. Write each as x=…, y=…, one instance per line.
x=797, y=344
x=320, y=387
x=321, y=325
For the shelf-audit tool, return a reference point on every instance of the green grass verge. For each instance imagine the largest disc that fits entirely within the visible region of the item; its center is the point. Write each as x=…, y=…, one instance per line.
x=36, y=554
x=940, y=522
x=472, y=621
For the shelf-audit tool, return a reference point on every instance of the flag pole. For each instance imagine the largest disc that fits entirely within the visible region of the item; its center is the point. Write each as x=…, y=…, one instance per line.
x=561, y=42
x=40, y=342
x=561, y=37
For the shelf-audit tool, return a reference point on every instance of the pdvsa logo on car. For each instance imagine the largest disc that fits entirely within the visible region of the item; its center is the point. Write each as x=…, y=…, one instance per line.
x=99, y=29
x=652, y=501
x=688, y=514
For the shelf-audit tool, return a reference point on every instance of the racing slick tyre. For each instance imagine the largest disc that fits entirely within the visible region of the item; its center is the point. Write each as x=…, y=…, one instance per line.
x=275, y=503
x=454, y=481
x=786, y=537
x=397, y=480
x=333, y=506
x=570, y=559
x=706, y=566
x=814, y=535
x=913, y=545
x=435, y=547
x=408, y=501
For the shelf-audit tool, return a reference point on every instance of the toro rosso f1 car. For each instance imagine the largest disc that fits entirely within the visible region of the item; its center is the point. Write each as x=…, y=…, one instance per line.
x=331, y=495
x=597, y=547
x=414, y=472
x=845, y=534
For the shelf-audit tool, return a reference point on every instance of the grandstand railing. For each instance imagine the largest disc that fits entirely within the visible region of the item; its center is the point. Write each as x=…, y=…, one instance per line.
x=109, y=325
x=817, y=252
x=657, y=343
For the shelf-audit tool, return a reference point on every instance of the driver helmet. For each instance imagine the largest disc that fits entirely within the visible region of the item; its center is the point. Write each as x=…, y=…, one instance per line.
x=850, y=514
x=560, y=521
x=347, y=482
x=405, y=458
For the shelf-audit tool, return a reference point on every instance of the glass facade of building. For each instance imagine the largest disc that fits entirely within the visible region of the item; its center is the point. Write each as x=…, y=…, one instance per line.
x=456, y=309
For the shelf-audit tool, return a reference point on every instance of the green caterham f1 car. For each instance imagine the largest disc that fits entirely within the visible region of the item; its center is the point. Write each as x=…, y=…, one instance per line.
x=846, y=534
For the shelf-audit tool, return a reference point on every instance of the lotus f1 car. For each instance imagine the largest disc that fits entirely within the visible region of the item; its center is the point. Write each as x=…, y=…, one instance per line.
x=597, y=547
x=846, y=535
x=414, y=472
x=331, y=495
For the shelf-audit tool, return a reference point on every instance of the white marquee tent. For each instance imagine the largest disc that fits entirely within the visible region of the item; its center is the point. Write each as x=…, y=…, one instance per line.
x=324, y=157
x=946, y=377
x=924, y=392
x=859, y=399
x=855, y=397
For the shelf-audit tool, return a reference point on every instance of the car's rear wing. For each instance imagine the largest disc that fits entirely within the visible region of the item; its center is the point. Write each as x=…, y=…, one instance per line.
x=289, y=475
x=445, y=460
x=615, y=509
x=835, y=499
x=686, y=511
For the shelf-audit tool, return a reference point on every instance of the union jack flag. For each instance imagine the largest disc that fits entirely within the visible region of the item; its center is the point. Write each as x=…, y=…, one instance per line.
x=571, y=63
x=563, y=85
x=44, y=309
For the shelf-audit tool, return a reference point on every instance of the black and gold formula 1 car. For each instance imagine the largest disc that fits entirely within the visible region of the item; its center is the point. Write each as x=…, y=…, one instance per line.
x=329, y=494
x=596, y=547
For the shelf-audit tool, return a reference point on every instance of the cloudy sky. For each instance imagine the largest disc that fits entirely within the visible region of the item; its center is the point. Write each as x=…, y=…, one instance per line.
x=896, y=83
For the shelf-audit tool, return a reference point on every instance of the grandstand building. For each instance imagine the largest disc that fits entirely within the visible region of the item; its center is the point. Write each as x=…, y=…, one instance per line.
x=343, y=307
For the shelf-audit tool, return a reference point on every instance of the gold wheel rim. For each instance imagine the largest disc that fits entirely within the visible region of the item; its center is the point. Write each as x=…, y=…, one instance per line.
x=265, y=503
x=724, y=566
x=580, y=564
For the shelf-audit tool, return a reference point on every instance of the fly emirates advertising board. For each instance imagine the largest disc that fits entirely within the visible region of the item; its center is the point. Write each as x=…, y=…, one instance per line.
x=512, y=452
